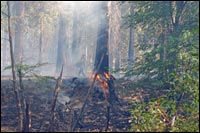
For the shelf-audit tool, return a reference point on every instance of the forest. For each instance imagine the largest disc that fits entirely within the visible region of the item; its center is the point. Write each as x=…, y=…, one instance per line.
x=99, y=66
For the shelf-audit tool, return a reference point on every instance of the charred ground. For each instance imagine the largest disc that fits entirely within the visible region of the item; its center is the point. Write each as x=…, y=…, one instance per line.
x=39, y=94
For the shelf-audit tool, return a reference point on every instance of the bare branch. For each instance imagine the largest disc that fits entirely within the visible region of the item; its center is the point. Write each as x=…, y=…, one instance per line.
x=55, y=95
x=89, y=90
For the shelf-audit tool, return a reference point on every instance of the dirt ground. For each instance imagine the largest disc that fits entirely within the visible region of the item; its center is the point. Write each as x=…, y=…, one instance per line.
x=39, y=96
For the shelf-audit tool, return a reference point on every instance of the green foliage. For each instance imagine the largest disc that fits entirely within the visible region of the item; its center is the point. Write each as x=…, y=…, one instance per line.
x=180, y=102
x=170, y=64
x=161, y=58
x=148, y=117
x=29, y=70
x=26, y=69
x=163, y=114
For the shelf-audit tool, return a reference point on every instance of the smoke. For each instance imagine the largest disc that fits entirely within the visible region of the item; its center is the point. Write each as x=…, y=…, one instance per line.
x=86, y=37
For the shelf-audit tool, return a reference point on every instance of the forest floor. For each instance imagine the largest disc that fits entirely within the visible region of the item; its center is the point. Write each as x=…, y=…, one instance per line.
x=39, y=95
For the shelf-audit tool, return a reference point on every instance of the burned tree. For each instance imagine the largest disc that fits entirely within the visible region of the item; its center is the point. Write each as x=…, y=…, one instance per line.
x=102, y=40
x=101, y=68
x=102, y=52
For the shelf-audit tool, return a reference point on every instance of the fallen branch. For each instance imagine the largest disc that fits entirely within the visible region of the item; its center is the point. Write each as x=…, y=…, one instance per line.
x=89, y=91
x=55, y=95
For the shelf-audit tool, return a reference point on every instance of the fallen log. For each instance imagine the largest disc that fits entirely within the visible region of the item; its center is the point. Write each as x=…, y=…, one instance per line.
x=55, y=95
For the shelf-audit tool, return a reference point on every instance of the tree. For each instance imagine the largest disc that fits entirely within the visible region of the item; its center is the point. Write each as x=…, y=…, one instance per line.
x=114, y=35
x=101, y=61
x=102, y=40
x=160, y=56
x=171, y=64
x=131, y=43
x=17, y=95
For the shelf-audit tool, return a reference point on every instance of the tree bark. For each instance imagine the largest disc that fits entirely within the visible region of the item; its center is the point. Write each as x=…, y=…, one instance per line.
x=102, y=53
x=102, y=40
x=55, y=95
x=118, y=37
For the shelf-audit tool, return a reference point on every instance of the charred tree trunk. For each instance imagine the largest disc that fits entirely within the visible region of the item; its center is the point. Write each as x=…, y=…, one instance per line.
x=55, y=95
x=102, y=40
x=102, y=49
x=102, y=53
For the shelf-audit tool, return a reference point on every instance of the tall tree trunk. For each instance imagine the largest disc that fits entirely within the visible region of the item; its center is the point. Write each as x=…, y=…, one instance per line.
x=117, y=58
x=61, y=57
x=102, y=50
x=40, y=41
x=19, y=5
x=101, y=61
x=17, y=96
x=111, y=47
x=131, y=46
x=102, y=40
x=118, y=37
